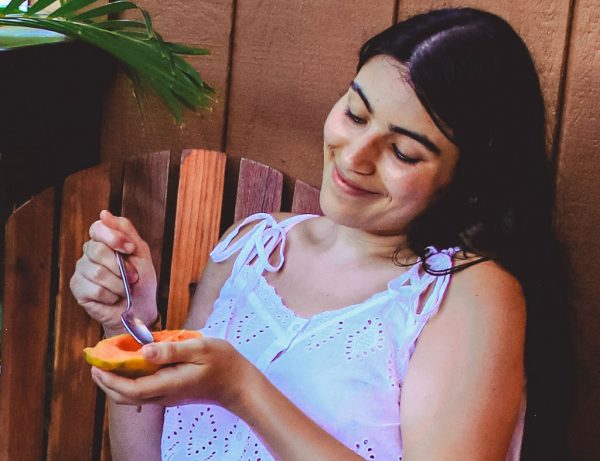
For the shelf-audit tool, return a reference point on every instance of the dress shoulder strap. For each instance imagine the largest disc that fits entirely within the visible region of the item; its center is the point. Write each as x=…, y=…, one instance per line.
x=259, y=243
x=437, y=261
x=416, y=283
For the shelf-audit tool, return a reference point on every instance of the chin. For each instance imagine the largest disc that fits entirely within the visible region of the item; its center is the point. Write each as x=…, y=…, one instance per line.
x=334, y=210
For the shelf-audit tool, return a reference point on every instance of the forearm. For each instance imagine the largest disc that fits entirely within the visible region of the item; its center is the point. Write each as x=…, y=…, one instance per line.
x=135, y=435
x=285, y=430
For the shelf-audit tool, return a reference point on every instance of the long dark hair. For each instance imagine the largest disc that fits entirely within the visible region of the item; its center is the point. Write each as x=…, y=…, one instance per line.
x=475, y=77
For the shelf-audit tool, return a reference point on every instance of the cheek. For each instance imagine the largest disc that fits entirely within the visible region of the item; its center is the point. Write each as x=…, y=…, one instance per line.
x=412, y=187
x=334, y=130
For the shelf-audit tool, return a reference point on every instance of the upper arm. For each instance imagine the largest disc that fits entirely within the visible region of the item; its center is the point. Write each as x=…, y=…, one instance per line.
x=464, y=383
x=212, y=280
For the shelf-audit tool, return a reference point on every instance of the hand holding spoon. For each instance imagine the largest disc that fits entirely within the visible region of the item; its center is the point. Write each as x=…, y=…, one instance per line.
x=133, y=324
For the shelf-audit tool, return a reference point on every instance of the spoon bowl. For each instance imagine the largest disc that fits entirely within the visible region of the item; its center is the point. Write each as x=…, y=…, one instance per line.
x=134, y=326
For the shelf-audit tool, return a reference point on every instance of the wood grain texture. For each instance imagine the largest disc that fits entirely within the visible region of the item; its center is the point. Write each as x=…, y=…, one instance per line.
x=197, y=223
x=579, y=219
x=126, y=131
x=144, y=202
x=145, y=183
x=26, y=315
x=73, y=402
x=542, y=25
x=306, y=199
x=291, y=62
x=259, y=189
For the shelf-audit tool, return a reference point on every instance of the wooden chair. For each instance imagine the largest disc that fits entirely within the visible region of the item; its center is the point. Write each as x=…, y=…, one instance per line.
x=49, y=406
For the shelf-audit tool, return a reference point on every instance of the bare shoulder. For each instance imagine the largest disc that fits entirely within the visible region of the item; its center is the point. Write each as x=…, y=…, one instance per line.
x=466, y=376
x=483, y=301
x=484, y=289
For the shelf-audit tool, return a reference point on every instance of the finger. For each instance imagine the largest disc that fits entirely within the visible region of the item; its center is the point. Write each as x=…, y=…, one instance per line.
x=188, y=351
x=102, y=379
x=100, y=275
x=123, y=225
x=168, y=384
x=147, y=389
x=108, y=316
x=113, y=238
x=85, y=291
x=102, y=254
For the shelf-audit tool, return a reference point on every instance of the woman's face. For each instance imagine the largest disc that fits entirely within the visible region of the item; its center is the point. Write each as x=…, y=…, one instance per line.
x=385, y=159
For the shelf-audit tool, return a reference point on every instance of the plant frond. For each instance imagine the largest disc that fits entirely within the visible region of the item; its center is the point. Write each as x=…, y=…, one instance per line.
x=123, y=25
x=178, y=48
x=39, y=6
x=148, y=59
x=70, y=8
x=105, y=10
x=13, y=6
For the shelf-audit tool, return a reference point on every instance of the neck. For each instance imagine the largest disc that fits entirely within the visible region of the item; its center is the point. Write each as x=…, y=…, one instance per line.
x=351, y=244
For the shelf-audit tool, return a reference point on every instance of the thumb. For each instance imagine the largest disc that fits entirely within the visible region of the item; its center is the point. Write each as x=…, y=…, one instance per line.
x=188, y=351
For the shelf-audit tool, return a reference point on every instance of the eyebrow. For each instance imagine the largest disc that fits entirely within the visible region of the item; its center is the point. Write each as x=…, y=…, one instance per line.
x=420, y=138
x=356, y=87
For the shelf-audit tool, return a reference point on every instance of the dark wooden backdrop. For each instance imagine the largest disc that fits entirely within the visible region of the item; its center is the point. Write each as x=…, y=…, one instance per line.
x=279, y=65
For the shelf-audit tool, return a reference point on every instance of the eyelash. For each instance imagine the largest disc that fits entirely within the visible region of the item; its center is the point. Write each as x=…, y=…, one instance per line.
x=354, y=118
x=397, y=152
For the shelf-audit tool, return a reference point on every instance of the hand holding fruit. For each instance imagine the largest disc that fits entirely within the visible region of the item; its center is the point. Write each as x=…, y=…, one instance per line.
x=202, y=370
x=97, y=285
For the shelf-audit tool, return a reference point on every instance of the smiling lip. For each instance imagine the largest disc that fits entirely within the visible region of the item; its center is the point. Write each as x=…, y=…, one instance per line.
x=348, y=186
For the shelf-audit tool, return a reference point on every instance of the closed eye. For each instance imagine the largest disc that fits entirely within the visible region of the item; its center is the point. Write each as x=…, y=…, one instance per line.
x=403, y=157
x=354, y=118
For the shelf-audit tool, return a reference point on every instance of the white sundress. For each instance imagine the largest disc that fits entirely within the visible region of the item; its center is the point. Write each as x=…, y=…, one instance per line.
x=343, y=368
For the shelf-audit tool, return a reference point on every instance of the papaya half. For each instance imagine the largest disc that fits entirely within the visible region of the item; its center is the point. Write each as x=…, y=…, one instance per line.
x=121, y=354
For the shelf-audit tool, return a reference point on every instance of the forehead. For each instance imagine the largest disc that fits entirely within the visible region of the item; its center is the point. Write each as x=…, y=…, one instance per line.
x=384, y=82
x=384, y=79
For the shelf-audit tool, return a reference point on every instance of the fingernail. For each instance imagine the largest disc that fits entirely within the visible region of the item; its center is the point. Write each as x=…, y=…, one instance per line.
x=129, y=247
x=150, y=351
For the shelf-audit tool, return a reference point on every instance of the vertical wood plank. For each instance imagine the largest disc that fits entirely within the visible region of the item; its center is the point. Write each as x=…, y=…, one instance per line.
x=125, y=129
x=197, y=223
x=542, y=25
x=259, y=189
x=145, y=199
x=306, y=199
x=26, y=315
x=291, y=62
x=578, y=218
x=145, y=181
x=73, y=402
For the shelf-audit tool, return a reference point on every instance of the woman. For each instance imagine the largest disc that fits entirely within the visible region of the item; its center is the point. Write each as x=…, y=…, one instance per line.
x=425, y=294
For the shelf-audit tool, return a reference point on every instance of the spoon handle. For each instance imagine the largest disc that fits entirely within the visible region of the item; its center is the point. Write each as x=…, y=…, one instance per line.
x=121, y=265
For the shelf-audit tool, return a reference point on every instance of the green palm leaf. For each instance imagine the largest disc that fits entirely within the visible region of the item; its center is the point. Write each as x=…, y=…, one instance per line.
x=147, y=58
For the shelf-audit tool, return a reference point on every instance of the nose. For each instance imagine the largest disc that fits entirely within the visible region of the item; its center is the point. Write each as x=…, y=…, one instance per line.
x=360, y=155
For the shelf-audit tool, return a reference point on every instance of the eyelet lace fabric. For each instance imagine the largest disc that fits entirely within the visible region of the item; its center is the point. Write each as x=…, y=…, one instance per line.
x=343, y=368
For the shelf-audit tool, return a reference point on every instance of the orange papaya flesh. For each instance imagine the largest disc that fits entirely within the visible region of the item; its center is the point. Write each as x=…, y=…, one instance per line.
x=121, y=354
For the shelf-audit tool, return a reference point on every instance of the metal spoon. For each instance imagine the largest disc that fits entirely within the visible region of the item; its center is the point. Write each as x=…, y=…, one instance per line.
x=133, y=325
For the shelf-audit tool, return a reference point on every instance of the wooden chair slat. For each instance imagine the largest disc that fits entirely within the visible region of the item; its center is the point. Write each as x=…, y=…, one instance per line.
x=197, y=222
x=145, y=183
x=27, y=300
x=74, y=398
x=306, y=199
x=73, y=392
x=259, y=189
